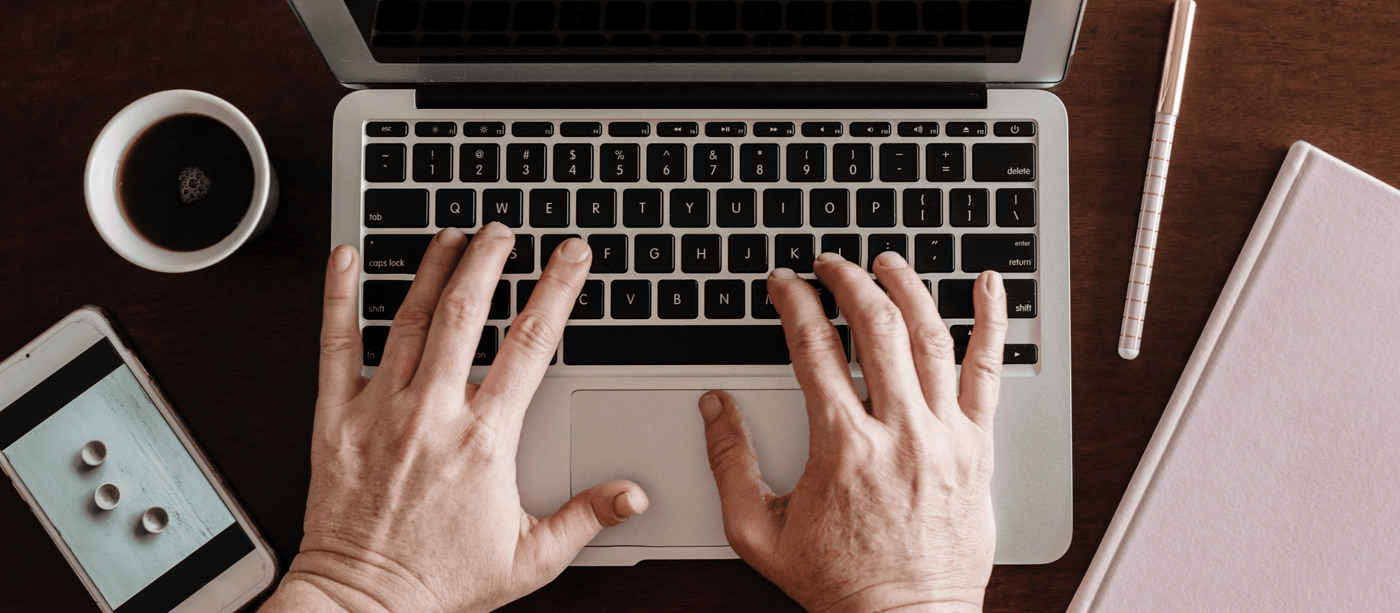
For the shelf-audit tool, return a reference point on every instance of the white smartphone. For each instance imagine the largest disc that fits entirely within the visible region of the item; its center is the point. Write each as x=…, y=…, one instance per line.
x=112, y=474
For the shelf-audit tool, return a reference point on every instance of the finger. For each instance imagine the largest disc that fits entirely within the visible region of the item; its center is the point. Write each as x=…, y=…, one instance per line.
x=534, y=335
x=929, y=341
x=341, y=346
x=981, y=367
x=404, y=346
x=743, y=495
x=878, y=329
x=461, y=310
x=817, y=357
x=553, y=542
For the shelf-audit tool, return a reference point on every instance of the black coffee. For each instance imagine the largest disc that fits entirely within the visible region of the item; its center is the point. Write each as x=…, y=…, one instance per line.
x=186, y=182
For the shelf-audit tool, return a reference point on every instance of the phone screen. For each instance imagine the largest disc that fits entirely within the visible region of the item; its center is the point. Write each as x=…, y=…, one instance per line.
x=96, y=397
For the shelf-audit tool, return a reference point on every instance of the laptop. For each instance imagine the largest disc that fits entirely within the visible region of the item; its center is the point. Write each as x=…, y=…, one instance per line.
x=696, y=146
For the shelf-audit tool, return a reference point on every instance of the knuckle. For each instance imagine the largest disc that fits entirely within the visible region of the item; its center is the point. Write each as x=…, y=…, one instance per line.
x=743, y=536
x=461, y=309
x=881, y=318
x=335, y=342
x=985, y=365
x=534, y=332
x=813, y=338
x=933, y=340
x=726, y=453
x=412, y=318
x=994, y=324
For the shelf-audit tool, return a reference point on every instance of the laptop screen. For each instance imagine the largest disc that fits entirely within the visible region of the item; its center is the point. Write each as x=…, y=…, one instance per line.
x=448, y=31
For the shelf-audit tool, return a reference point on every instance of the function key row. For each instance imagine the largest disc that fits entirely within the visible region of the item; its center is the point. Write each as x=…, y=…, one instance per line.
x=713, y=129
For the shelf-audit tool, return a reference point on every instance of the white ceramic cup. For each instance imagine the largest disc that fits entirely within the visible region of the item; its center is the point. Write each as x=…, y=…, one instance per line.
x=104, y=163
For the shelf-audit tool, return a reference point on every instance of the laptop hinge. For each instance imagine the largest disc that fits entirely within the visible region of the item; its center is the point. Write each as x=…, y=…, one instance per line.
x=728, y=95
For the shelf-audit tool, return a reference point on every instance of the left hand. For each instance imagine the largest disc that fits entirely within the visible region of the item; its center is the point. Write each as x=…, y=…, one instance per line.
x=413, y=503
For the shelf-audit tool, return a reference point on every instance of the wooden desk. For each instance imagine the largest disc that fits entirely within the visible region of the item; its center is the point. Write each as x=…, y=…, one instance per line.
x=235, y=346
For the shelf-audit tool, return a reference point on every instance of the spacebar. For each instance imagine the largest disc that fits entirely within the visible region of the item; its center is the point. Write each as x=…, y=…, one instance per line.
x=679, y=345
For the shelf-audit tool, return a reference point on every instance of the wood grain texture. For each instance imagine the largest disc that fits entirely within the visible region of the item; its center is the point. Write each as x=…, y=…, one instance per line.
x=234, y=346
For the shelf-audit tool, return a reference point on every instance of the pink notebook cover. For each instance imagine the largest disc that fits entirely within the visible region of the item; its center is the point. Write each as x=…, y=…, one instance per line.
x=1272, y=482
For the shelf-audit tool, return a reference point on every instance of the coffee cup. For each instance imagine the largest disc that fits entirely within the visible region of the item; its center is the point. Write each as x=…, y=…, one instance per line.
x=166, y=186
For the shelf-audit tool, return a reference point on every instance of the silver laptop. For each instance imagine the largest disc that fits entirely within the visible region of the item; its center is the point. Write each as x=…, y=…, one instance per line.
x=696, y=146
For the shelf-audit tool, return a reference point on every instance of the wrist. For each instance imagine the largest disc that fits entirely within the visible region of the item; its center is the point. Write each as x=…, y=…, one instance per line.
x=887, y=598
x=297, y=595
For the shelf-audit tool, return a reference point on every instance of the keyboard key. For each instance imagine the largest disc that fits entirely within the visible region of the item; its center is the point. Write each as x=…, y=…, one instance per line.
x=875, y=208
x=700, y=253
x=609, y=253
x=735, y=208
x=933, y=253
x=712, y=16
x=432, y=163
x=455, y=208
x=1003, y=162
x=967, y=128
x=525, y=163
x=641, y=208
x=774, y=128
x=665, y=163
x=806, y=16
x=999, y=252
x=830, y=208
x=1015, y=208
x=793, y=251
x=821, y=40
x=521, y=260
x=483, y=129
x=822, y=128
x=870, y=128
x=726, y=129
x=758, y=163
x=945, y=162
x=782, y=208
x=481, y=163
x=923, y=208
x=623, y=129
x=589, y=304
x=724, y=299
x=670, y=16
x=967, y=208
x=489, y=16
x=524, y=288
x=676, y=299
x=897, y=16
x=677, y=128
x=690, y=208
x=534, y=16
x=383, y=298
x=549, y=243
x=619, y=163
x=396, y=208
x=579, y=16
x=828, y=301
x=852, y=163
x=944, y=16
x=762, y=16
x=655, y=253
x=578, y=129
x=899, y=163
x=714, y=163
x=597, y=208
x=631, y=299
x=500, y=301
x=1014, y=128
x=485, y=347
x=503, y=205
x=955, y=298
x=1019, y=354
x=573, y=163
x=880, y=243
x=851, y=16
x=844, y=245
x=748, y=253
x=386, y=128
x=625, y=16
x=428, y=129
x=394, y=253
x=806, y=163
x=549, y=208
x=680, y=345
x=374, y=338
x=962, y=335
x=528, y=129
x=384, y=163
x=918, y=128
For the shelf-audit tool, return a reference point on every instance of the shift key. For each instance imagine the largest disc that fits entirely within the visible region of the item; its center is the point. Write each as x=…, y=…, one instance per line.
x=999, y=252
x=394, y=253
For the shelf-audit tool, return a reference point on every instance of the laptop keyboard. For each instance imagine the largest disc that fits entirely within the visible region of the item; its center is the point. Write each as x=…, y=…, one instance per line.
x=687, y=218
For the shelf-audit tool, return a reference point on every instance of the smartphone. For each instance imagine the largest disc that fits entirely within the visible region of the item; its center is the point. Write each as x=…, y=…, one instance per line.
x=117, y=481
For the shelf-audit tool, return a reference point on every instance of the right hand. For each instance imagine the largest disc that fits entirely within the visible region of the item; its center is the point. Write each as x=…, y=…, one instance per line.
x=893, y=510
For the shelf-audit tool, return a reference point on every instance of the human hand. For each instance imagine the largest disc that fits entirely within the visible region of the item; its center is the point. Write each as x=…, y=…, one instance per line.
x=893, y=510
x=413, y=503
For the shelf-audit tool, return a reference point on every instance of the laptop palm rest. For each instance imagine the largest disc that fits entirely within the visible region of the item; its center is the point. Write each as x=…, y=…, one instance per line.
x=656, y=438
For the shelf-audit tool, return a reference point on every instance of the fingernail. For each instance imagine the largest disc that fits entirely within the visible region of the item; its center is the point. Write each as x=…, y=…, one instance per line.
x=784, y=273
x=341, y=259
x=622, y=506
x=890, y=259
x=575, y=250
x=830, y=256
x=709, y=406
x=496, y=229
x=994, y=284
x=450, y=237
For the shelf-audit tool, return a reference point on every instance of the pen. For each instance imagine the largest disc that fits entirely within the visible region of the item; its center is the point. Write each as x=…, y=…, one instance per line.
x=1150, y=217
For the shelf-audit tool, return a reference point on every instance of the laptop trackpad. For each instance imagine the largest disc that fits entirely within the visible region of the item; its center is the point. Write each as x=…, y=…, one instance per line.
x=656, y=438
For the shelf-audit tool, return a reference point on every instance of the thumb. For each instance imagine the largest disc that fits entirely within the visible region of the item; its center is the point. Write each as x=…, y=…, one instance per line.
x=559, y=537
x=743, y=495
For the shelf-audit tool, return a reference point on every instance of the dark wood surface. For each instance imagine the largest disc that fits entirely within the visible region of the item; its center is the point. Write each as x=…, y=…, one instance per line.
x=234, y=346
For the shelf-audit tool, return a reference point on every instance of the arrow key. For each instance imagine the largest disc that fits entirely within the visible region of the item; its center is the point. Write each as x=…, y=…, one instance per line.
x=1020, y=354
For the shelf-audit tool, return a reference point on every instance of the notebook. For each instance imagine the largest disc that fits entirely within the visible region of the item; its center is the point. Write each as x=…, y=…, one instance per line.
x=1272, y=482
